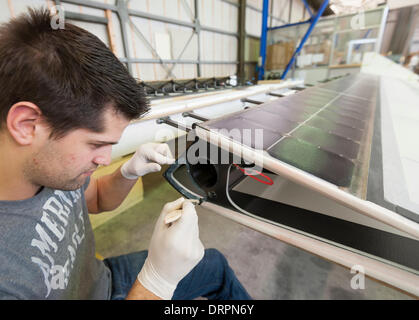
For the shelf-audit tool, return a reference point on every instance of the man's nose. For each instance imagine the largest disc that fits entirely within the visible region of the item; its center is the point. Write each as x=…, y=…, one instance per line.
x=104, y=158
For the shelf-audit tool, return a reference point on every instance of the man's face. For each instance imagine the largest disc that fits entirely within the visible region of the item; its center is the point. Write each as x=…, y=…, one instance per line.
x=65, y=164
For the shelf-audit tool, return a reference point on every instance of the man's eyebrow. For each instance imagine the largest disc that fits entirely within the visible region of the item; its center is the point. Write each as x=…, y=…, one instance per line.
x=104, y=142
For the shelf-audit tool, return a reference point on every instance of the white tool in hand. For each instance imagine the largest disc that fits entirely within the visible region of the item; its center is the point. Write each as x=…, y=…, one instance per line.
x=174, y=250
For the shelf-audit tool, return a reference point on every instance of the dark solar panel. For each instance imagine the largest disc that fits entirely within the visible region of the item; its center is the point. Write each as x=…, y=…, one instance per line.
x=319, y=130
x=296, y=107
x=291, y=114
x=342, y=119
x=272, y=121
x=330, y=142
x=233, y=128
x=308, y=157
x=335, y=128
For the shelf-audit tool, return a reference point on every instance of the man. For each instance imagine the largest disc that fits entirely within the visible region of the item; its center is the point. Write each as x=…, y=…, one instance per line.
x=65, y=99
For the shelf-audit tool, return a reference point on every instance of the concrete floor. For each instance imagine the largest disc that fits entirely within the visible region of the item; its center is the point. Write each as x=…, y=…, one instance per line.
x=268, y=268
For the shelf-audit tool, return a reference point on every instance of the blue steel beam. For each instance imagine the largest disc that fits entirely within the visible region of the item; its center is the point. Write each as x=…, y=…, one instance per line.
x=314, y=20
x=263, y=39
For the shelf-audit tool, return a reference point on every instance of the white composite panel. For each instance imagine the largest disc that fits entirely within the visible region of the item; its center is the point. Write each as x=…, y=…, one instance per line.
x=400, y=113
x=401, y=100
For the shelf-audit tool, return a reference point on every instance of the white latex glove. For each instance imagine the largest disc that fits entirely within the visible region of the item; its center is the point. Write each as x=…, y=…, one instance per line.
x=147, y=159
x=175, y=249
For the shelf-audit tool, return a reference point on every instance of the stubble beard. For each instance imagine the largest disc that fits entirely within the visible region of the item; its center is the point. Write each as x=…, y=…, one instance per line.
x=41, y=174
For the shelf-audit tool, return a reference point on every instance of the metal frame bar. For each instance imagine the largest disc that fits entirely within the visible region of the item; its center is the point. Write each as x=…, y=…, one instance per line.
x=251, y=101
x=194, y=115
x=308, y=8
x=198, y=35
x=188, y=10
x=273, y=94
x=382, y=27
x=154, y=17
x=125, y=16
x=309, y=30
x=263, y=40
x=91, y=4
x=242, y=42
x=168, y=121
x=85, y=17
x=290, y=25
x=122, y=12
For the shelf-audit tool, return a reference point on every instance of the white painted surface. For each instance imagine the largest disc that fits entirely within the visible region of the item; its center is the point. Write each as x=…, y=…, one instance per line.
x=163, y=45
x=399, y=94
x=403, y=112
x=374, y=63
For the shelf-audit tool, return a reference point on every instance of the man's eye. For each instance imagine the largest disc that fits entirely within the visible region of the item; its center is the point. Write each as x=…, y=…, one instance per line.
x=96, y=146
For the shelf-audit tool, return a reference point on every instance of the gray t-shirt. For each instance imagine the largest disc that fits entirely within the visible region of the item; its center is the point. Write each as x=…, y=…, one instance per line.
x=47, y=249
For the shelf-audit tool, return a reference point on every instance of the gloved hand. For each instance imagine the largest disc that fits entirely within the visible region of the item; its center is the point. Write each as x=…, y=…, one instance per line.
x=175, y=249
x=147, y=159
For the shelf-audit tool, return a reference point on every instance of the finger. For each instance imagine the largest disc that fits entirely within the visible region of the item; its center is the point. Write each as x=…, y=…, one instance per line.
x=151, y=167
x=189, y=212
x=160, y=159
x=172, y=216
x=187, y=224
x=164, y=149
x=172, y=206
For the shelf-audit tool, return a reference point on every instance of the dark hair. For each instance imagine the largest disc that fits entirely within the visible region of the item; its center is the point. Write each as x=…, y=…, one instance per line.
x=68, y=73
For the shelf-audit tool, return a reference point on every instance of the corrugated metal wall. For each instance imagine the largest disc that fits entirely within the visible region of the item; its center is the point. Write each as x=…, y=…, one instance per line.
x=149, y=40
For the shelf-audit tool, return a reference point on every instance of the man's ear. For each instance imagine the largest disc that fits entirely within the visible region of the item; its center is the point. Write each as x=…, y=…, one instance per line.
x=22, y=119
